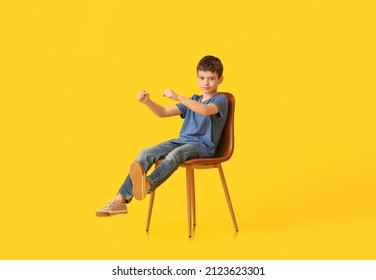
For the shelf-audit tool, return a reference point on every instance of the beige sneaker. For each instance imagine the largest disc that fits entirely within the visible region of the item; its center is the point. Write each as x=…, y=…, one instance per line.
x=113, y=208
x=141, y=185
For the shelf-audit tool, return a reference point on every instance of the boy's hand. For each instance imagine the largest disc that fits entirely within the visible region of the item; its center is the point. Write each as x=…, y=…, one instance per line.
x=170, y=94
x=143, y=96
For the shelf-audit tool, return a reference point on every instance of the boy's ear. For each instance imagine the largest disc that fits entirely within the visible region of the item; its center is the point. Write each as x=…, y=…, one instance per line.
x=221, y=79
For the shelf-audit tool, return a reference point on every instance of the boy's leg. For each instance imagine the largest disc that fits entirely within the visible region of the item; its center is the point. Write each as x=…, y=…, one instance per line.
x=171, y=163
x=174, y=155
x=126, y=189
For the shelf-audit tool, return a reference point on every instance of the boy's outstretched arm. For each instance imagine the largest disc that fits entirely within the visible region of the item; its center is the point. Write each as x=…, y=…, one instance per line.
x=195, y=106
x=160, y=111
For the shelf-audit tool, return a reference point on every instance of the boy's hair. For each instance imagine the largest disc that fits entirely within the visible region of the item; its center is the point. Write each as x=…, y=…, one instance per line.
x=212, y=64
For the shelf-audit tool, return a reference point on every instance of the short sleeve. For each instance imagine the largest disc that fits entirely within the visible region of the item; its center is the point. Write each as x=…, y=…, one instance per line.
x=221, y=102
x=183, y=110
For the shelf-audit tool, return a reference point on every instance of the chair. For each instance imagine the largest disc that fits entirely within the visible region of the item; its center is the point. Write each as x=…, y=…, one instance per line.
x=223, y=153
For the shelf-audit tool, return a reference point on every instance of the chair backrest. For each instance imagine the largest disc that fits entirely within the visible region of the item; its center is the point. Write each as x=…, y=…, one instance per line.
x=225, y=146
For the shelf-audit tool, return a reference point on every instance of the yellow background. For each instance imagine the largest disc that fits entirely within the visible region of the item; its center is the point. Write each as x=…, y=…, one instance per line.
x=302, y=178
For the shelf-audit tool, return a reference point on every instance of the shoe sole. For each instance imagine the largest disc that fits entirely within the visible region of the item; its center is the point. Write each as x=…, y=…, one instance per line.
x=112, y=213
x=138, y=178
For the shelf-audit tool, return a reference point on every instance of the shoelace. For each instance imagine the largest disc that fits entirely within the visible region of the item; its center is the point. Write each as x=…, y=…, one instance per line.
x=110, y=204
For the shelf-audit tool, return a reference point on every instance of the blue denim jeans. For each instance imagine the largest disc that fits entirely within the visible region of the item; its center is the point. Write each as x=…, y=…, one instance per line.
x=173, y=154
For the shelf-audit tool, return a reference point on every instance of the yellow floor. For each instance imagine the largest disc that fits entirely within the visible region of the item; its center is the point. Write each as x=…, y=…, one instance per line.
x=279, y=233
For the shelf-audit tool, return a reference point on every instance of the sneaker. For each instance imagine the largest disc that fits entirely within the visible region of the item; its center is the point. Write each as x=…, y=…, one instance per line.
x=113, y=208
x=141, y=185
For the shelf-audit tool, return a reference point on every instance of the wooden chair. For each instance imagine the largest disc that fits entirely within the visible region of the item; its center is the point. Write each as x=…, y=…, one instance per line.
x=223, y=153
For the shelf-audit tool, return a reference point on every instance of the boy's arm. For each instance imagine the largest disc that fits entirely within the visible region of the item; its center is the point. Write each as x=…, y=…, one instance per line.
x=157, y=109
x=195, y=106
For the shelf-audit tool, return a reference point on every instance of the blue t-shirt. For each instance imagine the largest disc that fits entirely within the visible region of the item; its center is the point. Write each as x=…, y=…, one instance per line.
x=203, y=131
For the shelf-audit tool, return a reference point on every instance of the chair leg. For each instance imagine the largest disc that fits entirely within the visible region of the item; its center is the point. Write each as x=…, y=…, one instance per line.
x=151, y=203
x=189, y=178
x=193, y=197
x=227, y=196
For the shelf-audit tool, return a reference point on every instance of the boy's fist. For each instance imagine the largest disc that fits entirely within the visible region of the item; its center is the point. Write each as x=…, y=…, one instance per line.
x=143, y=96
x=170, y=94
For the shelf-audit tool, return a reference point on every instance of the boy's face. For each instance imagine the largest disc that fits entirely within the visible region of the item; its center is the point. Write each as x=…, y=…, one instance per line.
x=208, y=81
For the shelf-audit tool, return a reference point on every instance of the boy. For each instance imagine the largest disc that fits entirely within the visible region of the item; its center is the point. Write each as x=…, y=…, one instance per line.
x=204, y=118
